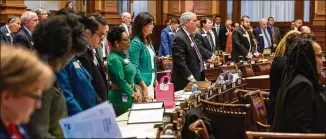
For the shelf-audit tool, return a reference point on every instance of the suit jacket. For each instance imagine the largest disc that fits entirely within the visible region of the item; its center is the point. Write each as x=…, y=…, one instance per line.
x=185, y=60
x=202, y=39
x=5, y=135
x=240, y=44
x=4, y=35
x=97, y=73
x=44, y=122
x=126, y=28
x=260, y=38
x=166, y=41
x=222, y=36
x=24, y=39
x=217, y=37
x=75, y=82
x=277, y=34
x=141, y=58
x=300, y=108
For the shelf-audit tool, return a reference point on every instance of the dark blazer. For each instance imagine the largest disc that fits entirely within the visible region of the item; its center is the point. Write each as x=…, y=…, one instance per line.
x=240, y=44
x=44, y=122
x=300, y=109
x=222, y=36
x=4, y=35
x=260, y=38
x=5, y=135
x=185, y=60
x=275, y=82
x=166, y=42
x=97, y=73
x=217, y=37
x=24, y=39
x=201, y=38
x=277, y=34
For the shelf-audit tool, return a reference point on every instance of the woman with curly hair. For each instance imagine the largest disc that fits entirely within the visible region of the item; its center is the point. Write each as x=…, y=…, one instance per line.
x=301, y=99
x=57, y=40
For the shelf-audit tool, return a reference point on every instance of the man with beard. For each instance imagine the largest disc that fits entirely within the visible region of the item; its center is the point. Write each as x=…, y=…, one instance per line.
x=243, y=46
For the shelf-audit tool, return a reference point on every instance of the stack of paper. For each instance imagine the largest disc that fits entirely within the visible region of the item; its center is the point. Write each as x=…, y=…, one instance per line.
x=96, y=122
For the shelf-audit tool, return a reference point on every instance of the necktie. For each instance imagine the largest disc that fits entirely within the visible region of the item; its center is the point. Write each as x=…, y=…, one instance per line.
x=197, y=52
x=13, y=132
x=217, y=29
x=94, y=57
x=210, y=38
x=268, y=39
x=129, y=30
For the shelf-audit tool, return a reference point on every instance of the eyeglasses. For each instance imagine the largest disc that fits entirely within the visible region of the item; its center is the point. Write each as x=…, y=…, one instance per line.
x=102, y=36
x=32, y=96
x=319, y=55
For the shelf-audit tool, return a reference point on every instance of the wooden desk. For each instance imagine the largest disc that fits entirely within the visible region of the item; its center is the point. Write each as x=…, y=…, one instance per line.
x=258, y=82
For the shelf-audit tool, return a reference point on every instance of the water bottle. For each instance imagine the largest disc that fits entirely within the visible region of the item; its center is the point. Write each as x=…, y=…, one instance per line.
x=239, y=73
x=194, y=89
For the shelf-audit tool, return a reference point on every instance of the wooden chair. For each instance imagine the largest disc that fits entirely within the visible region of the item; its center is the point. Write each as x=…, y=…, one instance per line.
x=269, y=135
x=199, y=128
x=264, y=68
x=230, y=121
x=258, y=110
x=229, y=68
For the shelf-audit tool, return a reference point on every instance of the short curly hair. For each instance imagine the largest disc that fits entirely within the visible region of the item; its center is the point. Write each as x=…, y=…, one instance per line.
x=115, y=34
x=59, y=35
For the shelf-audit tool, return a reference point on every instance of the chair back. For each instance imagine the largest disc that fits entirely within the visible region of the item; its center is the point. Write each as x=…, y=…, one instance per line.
x=225, y=117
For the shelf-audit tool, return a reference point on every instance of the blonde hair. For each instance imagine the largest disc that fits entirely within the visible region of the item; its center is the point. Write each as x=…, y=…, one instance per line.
x=288, y=39
x=21, y=68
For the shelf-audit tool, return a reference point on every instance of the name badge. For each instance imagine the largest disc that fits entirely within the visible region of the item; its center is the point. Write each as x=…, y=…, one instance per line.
x=261, y=35
x=32, y=42
x=170, y=33
x=8, y=34
x=76, y=65
x=227, y=33
x=126, y=60
x=204, y=35
x=124, y=97
x=192, y=44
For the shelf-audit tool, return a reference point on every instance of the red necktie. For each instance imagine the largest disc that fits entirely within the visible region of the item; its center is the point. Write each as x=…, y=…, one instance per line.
x=129, y=31
x=13, y=132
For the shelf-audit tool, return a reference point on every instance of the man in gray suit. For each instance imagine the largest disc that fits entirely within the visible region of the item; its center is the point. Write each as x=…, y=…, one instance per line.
x=126, y=20
x=276, y=35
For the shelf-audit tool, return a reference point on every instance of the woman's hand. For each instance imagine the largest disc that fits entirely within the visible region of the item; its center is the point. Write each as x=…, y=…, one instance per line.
x=137, y=96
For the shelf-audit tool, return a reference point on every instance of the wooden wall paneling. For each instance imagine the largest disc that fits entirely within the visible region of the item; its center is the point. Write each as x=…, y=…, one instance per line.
x=236, y=11
x=159, y=13
x=298, y=9
x=11, y=8
x=203, y=7
x=110, y=11
x=320, y=14
x=90, y=6
x=223, y=10
x=320, y=34
x=182, y=7
x=156, y=37
x=174, y=7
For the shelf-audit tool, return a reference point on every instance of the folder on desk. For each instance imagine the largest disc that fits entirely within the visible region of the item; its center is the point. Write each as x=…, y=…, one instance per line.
x=146, y=116
x=147, y=105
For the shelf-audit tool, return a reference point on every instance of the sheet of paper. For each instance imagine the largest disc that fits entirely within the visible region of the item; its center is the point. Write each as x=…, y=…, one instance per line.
x=259, y=77
x=97, y=122
x=146, y=116
x=149, y=105
x=138, y=130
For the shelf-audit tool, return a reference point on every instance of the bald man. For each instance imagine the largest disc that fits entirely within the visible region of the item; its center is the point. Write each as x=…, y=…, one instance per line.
x=126, y=20
x=305, y=29
x=224, y=33
x=264, y=38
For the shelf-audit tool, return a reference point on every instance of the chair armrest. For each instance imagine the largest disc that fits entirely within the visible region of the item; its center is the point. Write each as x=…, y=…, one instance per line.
x=266, y=127
x=199, y=128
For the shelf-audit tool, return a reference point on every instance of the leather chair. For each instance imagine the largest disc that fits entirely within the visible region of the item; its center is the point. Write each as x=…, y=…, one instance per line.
x=273, y=135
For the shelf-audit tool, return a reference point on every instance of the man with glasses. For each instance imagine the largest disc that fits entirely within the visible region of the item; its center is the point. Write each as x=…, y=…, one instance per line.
x=24, y=36
x=7, y=31
x=95, y=29
x=41, y=13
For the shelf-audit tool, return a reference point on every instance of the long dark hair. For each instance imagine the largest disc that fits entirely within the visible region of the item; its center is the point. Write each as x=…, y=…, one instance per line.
x=301, y=60
x=141, y=20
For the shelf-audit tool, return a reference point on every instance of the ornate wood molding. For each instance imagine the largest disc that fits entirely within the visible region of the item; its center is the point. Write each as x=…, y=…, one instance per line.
x=11, y=8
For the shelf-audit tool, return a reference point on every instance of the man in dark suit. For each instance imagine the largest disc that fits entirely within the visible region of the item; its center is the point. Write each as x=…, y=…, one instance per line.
x=41, y=13
x=126, y=20
x=204, y=37
x=24, y=36
x=188, y=62
x=224, y=32
x=167, y=36
x=243, y=45
x=95, y=29
x=7, y=31
x=216, y=29
x=276, y=34
x=264, y=38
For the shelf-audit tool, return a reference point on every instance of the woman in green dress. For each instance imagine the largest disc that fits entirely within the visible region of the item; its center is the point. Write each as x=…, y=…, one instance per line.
x=123, y=73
